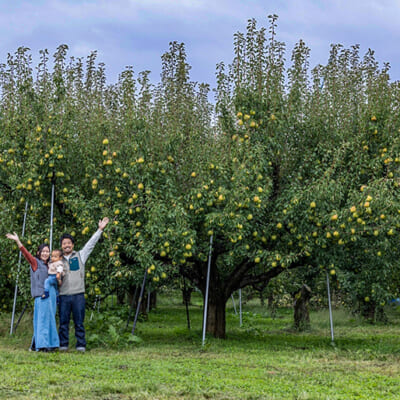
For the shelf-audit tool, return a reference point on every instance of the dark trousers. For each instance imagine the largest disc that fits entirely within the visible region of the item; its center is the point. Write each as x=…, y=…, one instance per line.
x=74, y=304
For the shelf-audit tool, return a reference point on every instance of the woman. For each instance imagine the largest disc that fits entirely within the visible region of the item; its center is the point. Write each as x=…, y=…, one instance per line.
x=45, y=336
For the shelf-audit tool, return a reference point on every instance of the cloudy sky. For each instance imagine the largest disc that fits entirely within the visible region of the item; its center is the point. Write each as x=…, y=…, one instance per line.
x=138, y=32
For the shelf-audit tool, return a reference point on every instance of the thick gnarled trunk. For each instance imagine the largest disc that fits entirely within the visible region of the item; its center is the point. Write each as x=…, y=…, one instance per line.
x=301, y=311
x=216, y=316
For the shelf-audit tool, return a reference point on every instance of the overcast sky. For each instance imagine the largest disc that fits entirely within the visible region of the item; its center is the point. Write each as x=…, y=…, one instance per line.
x=138, y=32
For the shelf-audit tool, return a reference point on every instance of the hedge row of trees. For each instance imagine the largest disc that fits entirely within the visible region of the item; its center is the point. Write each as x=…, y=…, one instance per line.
x=289, y=169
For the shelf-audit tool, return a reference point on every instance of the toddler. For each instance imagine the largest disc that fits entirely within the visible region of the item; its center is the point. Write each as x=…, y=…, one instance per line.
x=55, y=273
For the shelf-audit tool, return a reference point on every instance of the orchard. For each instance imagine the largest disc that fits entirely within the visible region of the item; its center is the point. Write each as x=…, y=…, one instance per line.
x=289, y=168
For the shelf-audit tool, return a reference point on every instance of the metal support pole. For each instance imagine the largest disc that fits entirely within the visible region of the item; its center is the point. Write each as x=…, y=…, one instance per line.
x=94, y=306
x=206, y=295
x=18, y=268
x=240, y=307
x=330, y=306
x=20, y=317
x=139, y=301
x=131, y=307
x=233, y=302
x=51, y=216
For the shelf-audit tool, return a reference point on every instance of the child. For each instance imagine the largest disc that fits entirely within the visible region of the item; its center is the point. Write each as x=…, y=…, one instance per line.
x=55, y=272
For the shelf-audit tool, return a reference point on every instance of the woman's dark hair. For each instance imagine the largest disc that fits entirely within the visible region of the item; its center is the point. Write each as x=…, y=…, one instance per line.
x=40, y=249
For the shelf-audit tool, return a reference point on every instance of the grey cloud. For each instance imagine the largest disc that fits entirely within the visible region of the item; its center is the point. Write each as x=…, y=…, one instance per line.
x=137, y=32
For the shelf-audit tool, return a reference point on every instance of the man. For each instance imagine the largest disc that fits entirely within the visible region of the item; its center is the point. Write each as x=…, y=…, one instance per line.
x=72, y=290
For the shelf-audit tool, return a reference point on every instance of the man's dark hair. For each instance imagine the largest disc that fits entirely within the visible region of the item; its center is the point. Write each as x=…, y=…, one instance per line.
x=67, y=236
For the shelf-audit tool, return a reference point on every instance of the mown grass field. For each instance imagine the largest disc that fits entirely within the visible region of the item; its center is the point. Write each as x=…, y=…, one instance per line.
x=263, y=359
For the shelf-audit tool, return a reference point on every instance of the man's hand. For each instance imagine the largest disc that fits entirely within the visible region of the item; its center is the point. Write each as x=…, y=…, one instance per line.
x=103, y=223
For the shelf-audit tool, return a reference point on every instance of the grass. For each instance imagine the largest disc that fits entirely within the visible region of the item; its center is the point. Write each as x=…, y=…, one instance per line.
x=263, y=359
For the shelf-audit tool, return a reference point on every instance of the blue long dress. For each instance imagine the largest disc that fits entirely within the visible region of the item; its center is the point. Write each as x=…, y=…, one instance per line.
x=44, y=321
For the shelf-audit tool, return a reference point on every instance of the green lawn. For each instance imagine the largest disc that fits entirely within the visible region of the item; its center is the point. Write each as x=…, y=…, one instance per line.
x=263, y=359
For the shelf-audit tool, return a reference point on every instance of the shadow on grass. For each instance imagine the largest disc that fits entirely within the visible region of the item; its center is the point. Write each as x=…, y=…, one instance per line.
x=167, y=326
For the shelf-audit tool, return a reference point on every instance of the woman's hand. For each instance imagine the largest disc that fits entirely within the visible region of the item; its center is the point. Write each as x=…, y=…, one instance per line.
x=14, y=236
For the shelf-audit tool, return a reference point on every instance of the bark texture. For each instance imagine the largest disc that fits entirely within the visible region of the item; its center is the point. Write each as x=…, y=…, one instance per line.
x=301, y=308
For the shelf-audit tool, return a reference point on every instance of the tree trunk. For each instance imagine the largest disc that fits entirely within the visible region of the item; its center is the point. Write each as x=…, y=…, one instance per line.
x=153, y=300
x=120, y=296
x=368, y=310
x=272, y=305
x=262, y=300
x=132, y=293
x=271, y=302
x=301, y=312
x=143, y=306
x=216, y=317
x=187, y=295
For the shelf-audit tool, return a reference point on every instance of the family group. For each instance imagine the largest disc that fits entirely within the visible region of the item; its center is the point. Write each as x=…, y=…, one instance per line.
x=58, y=277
